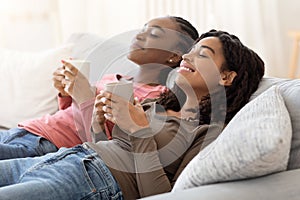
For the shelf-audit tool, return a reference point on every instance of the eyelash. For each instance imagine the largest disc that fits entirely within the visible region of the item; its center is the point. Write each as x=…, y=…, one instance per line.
x=153, y=35
x=202, y=55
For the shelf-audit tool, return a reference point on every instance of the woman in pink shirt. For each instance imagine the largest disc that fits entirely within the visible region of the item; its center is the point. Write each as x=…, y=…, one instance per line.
x=156, y=49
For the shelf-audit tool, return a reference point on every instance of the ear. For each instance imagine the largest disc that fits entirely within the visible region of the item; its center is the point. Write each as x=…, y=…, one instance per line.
x=174, y=59
x=227, y=78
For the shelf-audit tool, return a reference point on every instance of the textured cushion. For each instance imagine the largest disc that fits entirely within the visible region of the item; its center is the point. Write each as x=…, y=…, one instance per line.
x=26, y=83
x=256, y=142
x=290, y=91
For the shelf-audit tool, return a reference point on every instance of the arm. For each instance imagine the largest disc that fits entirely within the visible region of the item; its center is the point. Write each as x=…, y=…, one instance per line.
x=63, y=102
x=206, y=135
x=77, y=87
x=150, y=175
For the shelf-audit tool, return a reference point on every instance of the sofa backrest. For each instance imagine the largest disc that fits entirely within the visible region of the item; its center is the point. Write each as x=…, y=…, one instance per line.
x=27, y=86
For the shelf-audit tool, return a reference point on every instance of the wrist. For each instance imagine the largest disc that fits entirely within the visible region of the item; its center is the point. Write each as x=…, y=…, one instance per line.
x=63, y=95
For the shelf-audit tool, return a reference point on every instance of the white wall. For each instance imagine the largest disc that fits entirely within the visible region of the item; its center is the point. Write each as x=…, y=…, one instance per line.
x=52, y=21
x=289, y=20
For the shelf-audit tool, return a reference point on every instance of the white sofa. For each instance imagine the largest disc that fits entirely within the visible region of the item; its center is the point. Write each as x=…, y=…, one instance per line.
x=26, y=77
x=28, y=93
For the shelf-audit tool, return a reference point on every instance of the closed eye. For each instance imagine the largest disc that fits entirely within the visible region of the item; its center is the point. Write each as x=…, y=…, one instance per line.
x=203, y=56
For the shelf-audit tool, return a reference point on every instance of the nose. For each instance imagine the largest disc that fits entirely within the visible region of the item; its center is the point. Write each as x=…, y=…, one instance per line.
x=187, y=57
x=140, y=36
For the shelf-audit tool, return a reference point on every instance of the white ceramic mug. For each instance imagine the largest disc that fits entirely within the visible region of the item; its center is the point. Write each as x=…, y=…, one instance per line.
x=122, y=88
x=82, y=65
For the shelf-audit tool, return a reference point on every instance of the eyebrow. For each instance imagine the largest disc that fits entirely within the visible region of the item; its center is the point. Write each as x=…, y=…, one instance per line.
x=207, y=47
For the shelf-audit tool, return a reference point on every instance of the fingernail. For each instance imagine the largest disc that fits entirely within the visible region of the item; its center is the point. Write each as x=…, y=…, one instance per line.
x=103, y=99
x=63, y=61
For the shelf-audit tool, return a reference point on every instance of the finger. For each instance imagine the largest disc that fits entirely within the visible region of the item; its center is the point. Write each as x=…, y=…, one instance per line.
x=98, y=104
x=57, y=84
x=70, y=67
x=66, y=82
x=136, y=101
x=106, y=101
x=107, y=94
x=109, y=117
x=68, y=86
x=58, y=71
x=99, y=96
x=138, y=105
x=107, y=109
x=57, y=78
x=69, y=75
x=100, y=116
x=113, y=97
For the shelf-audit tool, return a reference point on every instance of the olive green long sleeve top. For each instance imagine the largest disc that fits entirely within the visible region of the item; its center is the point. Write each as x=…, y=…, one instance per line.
x=149, y=161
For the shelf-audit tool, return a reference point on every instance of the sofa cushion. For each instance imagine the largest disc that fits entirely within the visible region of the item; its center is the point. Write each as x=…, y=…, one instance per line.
x=256, y=142
x=278, y=186
x=26, y=88
x=290, y=91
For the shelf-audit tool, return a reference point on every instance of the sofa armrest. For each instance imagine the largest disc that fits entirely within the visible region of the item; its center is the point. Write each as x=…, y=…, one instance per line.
x=283, y=185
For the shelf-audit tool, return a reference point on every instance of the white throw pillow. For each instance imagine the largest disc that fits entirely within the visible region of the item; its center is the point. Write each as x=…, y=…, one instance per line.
x=26, y=83
x=256, y=142
x=290, y=91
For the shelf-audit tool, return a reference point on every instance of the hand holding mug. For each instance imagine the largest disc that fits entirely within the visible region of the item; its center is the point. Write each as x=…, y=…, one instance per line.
x=76, y=83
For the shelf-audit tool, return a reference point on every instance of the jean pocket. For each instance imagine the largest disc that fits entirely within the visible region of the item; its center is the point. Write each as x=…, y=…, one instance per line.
x=100, y=180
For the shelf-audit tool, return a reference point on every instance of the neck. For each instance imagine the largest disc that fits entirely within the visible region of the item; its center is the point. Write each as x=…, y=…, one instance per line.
x=190, y=108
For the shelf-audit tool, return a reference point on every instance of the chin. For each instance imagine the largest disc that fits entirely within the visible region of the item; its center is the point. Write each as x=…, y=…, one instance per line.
x=135, y=57
x=181, y=81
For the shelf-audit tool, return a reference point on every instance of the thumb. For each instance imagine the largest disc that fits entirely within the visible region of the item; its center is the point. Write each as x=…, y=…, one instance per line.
x=137, y=103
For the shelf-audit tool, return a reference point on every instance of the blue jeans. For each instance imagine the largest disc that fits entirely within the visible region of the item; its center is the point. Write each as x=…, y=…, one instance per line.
x=19, y=143
x=74, y=173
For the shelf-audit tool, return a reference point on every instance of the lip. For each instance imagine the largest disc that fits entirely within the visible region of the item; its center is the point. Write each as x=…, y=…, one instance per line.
x=136, y=46
x=185, y=66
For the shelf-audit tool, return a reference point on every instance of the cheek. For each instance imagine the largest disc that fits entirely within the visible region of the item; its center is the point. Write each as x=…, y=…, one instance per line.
x=209, y=72
x=166, y=44
x=148, y=56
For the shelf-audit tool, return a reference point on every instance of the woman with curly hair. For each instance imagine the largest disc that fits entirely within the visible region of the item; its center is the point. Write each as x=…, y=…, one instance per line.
x=153, y=142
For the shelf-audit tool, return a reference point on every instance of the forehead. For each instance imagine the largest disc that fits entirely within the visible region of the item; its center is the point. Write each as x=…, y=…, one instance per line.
x=164, y=22
x=212, y=42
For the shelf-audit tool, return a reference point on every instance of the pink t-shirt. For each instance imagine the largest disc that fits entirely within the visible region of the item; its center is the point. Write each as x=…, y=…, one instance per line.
x=65, y=127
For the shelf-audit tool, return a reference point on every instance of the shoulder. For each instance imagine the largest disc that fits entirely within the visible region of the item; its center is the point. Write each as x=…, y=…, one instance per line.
x=206, y=134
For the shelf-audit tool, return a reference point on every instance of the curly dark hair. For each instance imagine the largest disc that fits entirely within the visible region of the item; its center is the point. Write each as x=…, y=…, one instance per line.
x=188, y=34
x=239, y=58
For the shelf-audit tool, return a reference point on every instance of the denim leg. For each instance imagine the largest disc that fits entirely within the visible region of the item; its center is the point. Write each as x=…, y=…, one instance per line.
x=75, y=173
x=19, y=143
x=12, y=169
